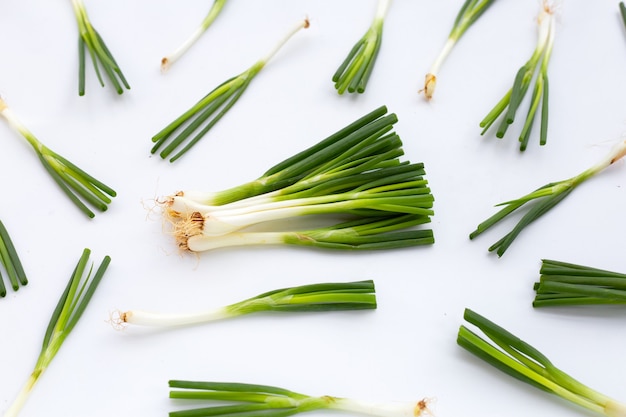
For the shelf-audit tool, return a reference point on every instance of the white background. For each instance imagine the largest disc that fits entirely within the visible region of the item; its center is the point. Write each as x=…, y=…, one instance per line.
x=405, y=350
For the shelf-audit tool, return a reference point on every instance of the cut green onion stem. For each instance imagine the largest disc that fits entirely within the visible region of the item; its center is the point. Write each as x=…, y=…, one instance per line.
x=469, y=13
x=71, y=305
x=542, y=200
x=354, y=72
x=202, y=116
x=622, y=9
x=250, y=400
x=215, y=10
x=11, y=263
x=315, y=297
x=566, y=284
x=101, y=57
x=517, y=358
x=75, y=183
x=510, y=103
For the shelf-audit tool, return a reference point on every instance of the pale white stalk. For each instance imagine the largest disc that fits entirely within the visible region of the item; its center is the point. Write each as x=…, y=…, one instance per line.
x=21, y=398
x=381, y=9
x=392, y=409
x=145, y=318
x=304, y=24
x=430, y=82
x=615, y=409
x=201, y=242
x=617, y=153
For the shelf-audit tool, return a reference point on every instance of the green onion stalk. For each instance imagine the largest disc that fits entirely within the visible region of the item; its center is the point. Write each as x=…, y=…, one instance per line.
x=622, y=9
x=75, y=183
x=355, y=70
x=358, y=295
x=469, y=13
x=510, y=103
x=542, y=200
x=203, y=115
x=215, y=10
x=69, y=309
x=101, y=56
x=356, y=172
x=11, y=263
x=263, y=400
x=567, y=284
x=517, y=358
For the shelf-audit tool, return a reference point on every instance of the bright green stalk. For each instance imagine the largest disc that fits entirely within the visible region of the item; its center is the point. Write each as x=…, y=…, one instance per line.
x=100, y=55
x=512, y=100
x=167, y=61
x=203, y=115
x=316, y=297
x=354, y=72
x=469, y=13
x=252, y=400
x=543, y=198
x=68, y=311
x=11, y=263
x=622, y=9
x=566, y=284
x=74, y=182
x=515, y=357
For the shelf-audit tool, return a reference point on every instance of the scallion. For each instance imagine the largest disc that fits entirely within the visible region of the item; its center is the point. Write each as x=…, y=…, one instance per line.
x=203, y=115
x=74, y=182
x=469, y=13
x=252, y=400
x=543, y=198
x=510, y=103
x=622, y=9
x=517, y=358
x=69, y=309
x=11, y=263
x=355, y=70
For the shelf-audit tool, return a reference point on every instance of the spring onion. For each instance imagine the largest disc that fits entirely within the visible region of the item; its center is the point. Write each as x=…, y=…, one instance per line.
x=68, y=311
x=354, y=72
x=544, y=198
x=74, y=182
x=519, y=359
x=215, y=10
x=513, y=98
x=355, y=172
x=262, y=400
x=11, y=263
x=315, y=297
x=469, y=13
x=91, y=40
x=566, y=284
x=203, y=115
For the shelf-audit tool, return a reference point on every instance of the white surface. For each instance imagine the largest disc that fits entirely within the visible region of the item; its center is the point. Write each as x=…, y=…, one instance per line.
x=404, y=350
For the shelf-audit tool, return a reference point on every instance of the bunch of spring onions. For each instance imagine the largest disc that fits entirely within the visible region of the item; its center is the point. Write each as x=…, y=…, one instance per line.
x=11, y=263
x=74, y=182
x=215, y=10
x=69, y=309
x=203, y=115
x=469, y=13
x=517, y=358
x=542, y=200
x=354, y=72
x=90, y=39
x=358, y=295
x=252, y=400
x=566, y=284
x=510, y=103
x=356, y=172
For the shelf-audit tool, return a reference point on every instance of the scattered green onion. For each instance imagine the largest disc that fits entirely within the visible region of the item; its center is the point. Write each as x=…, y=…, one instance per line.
x=68, y=311
x=519, y=359
x=74, y=182
x=622, y=9
x=544, y=198
x=354, y=72
x=253, y=400
x=315, y=297
x=11, y=263
x=90, y=39
x=469, y=13
x=209, y=110
x=215, y=10
x=513, y=98
x=566, y=284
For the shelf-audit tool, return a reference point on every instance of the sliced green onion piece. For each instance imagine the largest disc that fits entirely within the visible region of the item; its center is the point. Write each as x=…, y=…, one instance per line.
x=11, y=263
x=622, y=9
x=517, y=358
x=74, y=182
